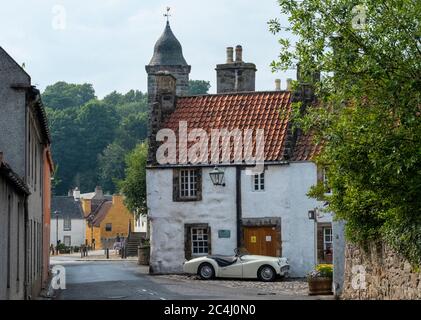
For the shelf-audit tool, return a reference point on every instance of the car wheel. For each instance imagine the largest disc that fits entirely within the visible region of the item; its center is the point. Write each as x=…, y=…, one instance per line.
x=206, y=271
x=266, y=273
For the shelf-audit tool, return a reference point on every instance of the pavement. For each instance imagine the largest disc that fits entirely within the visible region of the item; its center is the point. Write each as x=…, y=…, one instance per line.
x=126, y=280
x=93, y=255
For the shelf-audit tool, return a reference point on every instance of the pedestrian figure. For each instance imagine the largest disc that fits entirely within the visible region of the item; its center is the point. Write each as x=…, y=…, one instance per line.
x=51, y=249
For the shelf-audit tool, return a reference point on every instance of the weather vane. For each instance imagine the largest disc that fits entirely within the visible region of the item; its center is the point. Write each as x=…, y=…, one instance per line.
x=167, y=15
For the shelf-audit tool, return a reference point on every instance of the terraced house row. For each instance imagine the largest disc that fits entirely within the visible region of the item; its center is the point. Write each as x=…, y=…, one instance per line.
x=25, y=184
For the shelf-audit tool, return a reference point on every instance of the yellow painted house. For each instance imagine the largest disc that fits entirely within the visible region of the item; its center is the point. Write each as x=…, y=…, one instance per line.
x=106, y=220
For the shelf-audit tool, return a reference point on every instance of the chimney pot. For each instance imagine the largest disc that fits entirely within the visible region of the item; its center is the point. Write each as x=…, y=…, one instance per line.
x=238, y=53
x=289, y=84
x=277, y=84
x=230, y=54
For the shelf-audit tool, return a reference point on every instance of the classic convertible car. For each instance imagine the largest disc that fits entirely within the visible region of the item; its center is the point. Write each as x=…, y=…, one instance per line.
x=238, y=266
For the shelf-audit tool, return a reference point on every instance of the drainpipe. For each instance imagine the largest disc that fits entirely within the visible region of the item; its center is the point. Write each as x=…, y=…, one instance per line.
x=238, y=203
x=26, y=253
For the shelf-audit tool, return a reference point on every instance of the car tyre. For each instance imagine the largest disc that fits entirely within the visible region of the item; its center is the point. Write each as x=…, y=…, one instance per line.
x=266, y=274
x=206, y=271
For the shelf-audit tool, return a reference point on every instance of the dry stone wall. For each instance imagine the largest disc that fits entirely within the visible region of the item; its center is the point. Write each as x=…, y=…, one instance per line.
x=377, y=272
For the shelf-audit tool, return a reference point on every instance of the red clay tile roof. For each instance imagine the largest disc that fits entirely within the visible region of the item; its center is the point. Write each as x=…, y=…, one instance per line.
x=305, y=148
x=270, y=111
x=100, y=213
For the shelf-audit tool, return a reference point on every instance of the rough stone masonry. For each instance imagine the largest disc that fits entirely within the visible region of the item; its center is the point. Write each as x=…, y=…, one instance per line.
x=387, y=274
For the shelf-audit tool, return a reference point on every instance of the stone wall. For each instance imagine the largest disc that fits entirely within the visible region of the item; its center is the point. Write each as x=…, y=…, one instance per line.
x=387, y=274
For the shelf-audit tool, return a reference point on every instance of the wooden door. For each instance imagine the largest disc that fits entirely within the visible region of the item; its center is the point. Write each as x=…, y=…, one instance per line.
x=262, y=241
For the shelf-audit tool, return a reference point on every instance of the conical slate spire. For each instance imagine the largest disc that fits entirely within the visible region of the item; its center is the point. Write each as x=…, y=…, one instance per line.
x=168, y=50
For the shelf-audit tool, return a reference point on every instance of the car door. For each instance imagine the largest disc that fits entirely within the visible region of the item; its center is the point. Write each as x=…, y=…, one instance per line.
x=232, y=271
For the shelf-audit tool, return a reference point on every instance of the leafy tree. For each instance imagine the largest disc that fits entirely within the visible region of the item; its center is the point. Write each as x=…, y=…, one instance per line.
x=97, y=122
x=111, y=165
x=62, y=95
x=131, y=130
x=368, y=111
x=198, y=87
x=66, y=147
x=134, y=184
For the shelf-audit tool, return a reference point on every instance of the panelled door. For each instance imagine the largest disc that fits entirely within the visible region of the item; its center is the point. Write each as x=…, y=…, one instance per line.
x=262, y=241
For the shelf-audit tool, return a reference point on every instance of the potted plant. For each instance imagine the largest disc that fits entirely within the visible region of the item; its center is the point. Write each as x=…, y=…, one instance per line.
x=320, y=280
x=143, y=253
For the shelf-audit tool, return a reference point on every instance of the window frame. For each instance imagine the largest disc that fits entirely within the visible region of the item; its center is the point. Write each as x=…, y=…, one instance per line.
x=201, y=243
x=67, y=223
x=188, y=247
x=188, y=178
x=110, y=225
x=330, y=235
x=67, y=237
x=258, y=182
x=179, y=181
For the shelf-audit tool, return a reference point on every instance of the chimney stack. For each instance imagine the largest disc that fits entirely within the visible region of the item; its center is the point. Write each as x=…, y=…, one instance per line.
x=235, y=76
x=289, y=84
x=161, y=105
x=278, y=84
x=98, y=192
x=230, y=55
x=76, y=193
x=238, y=53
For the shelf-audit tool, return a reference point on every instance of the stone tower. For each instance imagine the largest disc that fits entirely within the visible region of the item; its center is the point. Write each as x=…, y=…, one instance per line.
x=168, y=57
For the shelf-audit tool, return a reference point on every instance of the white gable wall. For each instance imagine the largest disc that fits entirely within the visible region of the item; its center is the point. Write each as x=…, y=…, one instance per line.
x=285, y=197
x=167, y=218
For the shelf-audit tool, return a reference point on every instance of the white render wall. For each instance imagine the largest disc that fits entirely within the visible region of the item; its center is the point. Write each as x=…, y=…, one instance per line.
x=284, y=197
x=77, y=233
x=167, y=218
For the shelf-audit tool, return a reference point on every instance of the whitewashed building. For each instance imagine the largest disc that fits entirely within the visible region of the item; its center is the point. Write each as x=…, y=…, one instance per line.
x=68, y=223
x=268, y=213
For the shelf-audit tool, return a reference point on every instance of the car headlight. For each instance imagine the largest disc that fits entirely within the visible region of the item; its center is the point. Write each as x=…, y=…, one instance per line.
x=285, y=268
x=282, y=261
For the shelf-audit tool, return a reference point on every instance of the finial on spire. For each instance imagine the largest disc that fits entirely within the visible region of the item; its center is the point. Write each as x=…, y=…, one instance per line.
x=167, y=14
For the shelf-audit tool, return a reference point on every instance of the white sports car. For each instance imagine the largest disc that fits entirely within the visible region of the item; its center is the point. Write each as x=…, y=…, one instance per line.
x=238, y=266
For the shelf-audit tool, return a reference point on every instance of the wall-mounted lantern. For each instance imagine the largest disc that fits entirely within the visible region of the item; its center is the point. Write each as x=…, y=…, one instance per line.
x=217, y=177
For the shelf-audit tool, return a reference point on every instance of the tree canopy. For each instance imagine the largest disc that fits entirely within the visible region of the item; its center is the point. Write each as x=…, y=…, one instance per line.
x=197, y=87
x=62, y=95
x=91, y=137
x=368, y=113
x=134, y=184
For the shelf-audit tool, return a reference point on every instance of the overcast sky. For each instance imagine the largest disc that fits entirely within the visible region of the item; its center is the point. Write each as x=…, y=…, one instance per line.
x=108, y=42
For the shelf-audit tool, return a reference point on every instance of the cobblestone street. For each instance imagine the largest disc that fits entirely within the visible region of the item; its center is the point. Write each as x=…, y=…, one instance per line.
x=294, y=286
